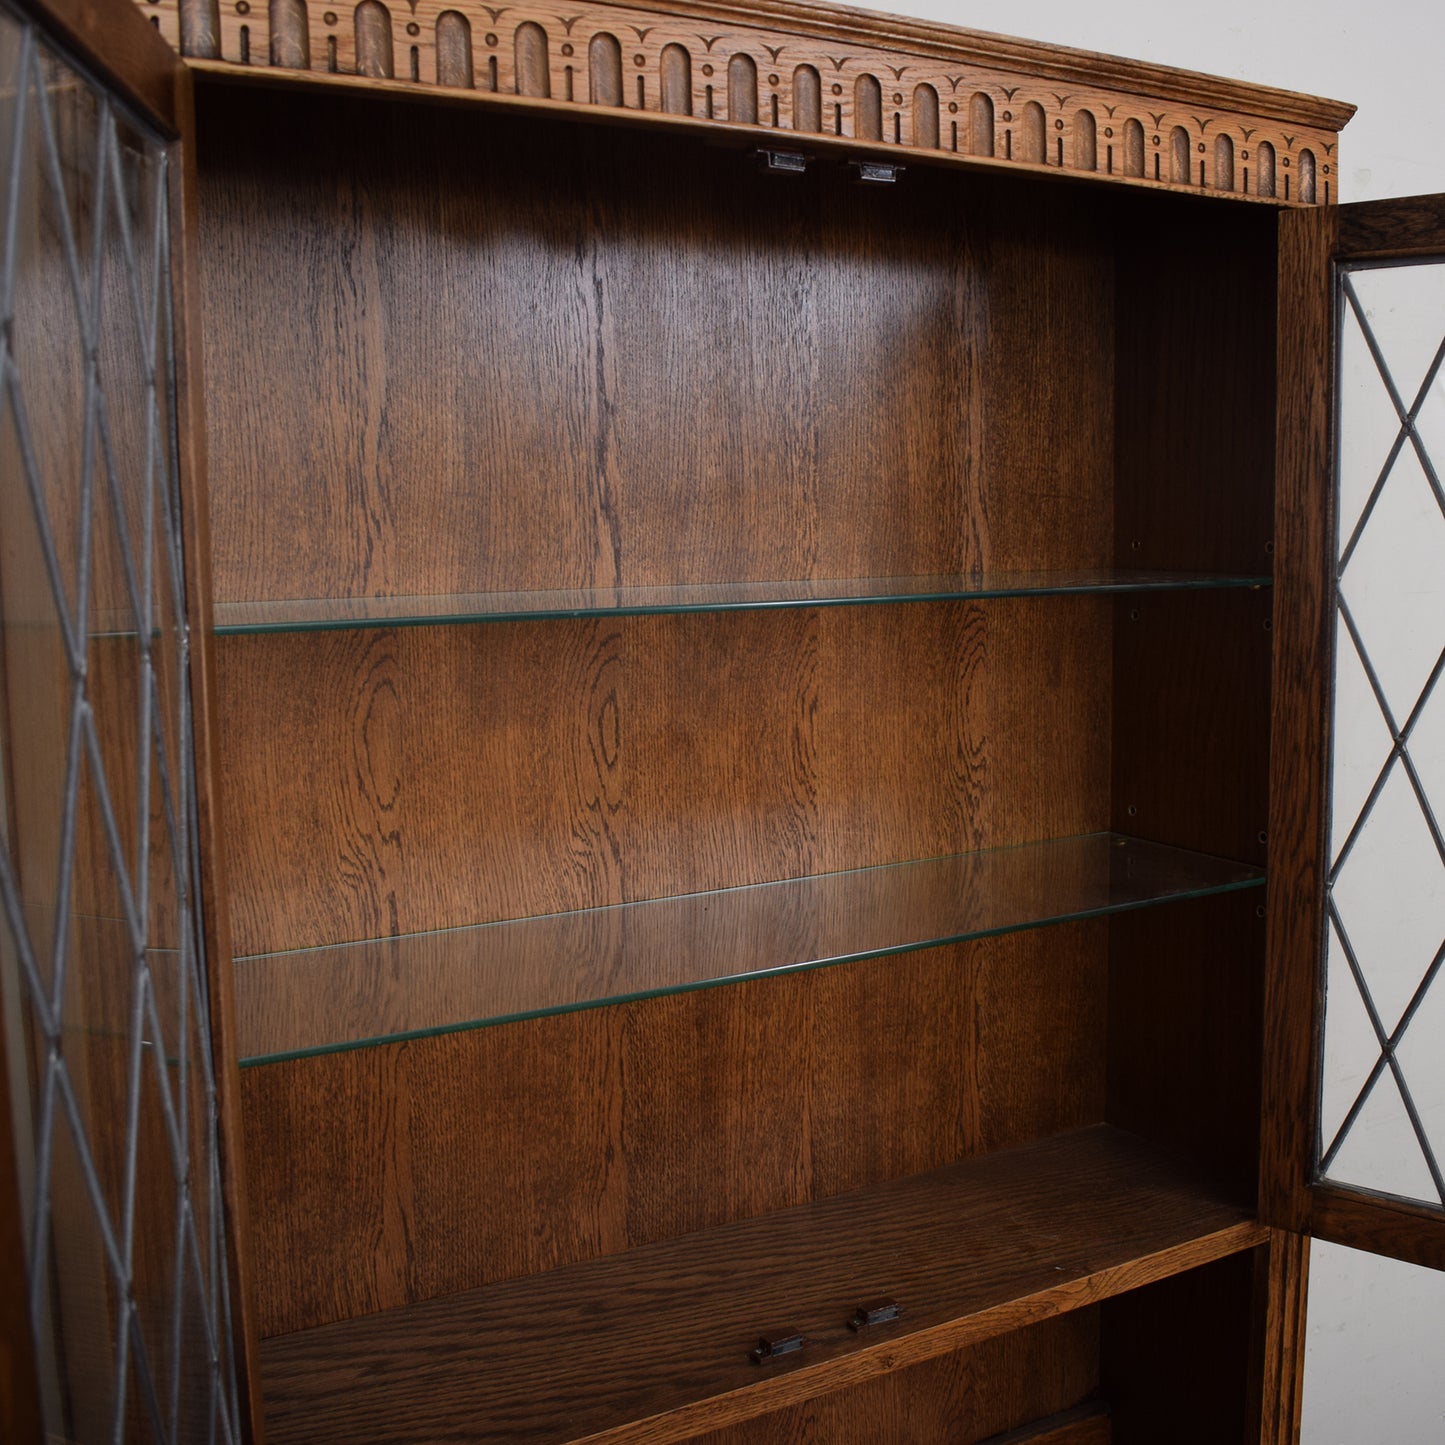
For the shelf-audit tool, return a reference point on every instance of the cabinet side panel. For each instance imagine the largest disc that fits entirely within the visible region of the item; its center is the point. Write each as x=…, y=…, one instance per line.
x=388, y=1175
x=1176, y=1356
x=1195, y=446
x=1303, y=676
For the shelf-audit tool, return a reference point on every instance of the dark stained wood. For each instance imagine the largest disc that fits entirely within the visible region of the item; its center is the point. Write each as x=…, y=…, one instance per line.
x=1175, y=1356
x=971, y=1396
x=1085, y=1425
x=501, y=393
x=973, y=1251
x=391, y=781
x=515, y=352
x=1195, y=387
x=1401, y=228
x=1299, y=741
x=1195, y=454
x=1277, y=1349
x=976, y=50
x=1185, y=1030
x=825, y=147
x=216, y=922
x=605, y=1131
x=114, y=39
x=1399, y=1228
x=1192, y=717
x=20, y=1417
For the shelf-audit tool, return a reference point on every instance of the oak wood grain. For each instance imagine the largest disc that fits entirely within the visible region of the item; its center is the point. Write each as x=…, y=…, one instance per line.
x=1400, y=1228
x=1401, y=228
x=195, y=519
x=605, y=1131
x=974, y=1251
x=1277, y=1347
x=971, y=1396
x=116, y=41
x=398, y=780
x=20, y=1411
x=1185, y=1032
x=514, y=382
x=1051, y=61
x=680, y=67
x=1299, y=731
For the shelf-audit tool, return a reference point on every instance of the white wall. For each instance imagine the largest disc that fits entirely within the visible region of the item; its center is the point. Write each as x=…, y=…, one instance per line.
x=1386, y=56
x=1375, y=1370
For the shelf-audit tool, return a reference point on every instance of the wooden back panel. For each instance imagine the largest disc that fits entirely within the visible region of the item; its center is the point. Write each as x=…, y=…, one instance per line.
x=389, y=1175
x=515, y=354
x=512, y=356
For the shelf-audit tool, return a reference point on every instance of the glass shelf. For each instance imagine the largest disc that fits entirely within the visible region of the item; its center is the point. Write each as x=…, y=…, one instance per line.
x=341, y=996
x=332, y=613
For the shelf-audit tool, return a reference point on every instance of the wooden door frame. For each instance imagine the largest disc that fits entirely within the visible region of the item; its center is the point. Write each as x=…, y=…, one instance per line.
x=1291, y=1198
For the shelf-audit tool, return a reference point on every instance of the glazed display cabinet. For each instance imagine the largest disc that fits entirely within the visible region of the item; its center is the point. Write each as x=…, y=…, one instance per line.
x=671, y=759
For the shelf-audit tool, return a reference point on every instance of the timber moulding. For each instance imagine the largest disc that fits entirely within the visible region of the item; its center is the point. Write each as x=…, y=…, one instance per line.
x=809, y=70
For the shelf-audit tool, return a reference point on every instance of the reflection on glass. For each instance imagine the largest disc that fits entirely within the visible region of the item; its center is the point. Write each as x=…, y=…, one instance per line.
x=317, y=999
x=109, y=1071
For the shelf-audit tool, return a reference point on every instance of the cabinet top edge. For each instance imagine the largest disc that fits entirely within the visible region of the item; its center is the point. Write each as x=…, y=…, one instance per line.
x=807, y=70
x=1037, y=57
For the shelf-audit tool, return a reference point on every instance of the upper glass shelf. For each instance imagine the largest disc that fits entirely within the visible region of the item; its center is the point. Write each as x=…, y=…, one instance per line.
x=317, y=1000
x=330, y=613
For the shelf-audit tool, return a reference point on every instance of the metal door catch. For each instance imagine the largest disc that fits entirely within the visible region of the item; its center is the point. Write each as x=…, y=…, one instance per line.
x=769, y=1347
x=879, y=1312
x=878, y=172
x=775, y=162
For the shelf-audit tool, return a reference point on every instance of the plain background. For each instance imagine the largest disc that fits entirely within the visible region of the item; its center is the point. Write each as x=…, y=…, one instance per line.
x=1375, y=1366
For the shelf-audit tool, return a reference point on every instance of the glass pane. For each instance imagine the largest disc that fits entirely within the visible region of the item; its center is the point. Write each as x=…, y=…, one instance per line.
x=106, y=1047
x=316, y=614
x=1382, y=1122
x=317, y=999
x=1372, y=1350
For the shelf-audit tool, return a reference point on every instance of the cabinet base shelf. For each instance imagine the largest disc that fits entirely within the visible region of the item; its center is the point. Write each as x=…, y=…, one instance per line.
x=654, y=1344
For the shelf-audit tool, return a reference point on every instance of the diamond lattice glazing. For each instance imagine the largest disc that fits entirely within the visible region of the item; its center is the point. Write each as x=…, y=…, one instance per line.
x=102, y=984
x=1382, y=1123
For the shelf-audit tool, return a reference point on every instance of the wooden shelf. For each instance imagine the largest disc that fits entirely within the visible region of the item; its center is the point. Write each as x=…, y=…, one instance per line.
x=654, y=1344
x=355, y=995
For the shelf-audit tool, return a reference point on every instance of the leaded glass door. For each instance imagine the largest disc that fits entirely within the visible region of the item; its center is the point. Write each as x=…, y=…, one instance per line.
x=1358, y=1113
x=118, y=1309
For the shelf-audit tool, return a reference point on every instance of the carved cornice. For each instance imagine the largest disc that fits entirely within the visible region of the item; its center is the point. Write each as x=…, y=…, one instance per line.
x=813, y=72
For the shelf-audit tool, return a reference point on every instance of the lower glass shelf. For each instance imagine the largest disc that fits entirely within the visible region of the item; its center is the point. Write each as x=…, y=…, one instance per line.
x=656, y=1343
x=353, y=995
x=322, y=614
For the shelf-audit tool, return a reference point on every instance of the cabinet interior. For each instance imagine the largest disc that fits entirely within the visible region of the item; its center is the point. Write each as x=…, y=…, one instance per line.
x=457, y=359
